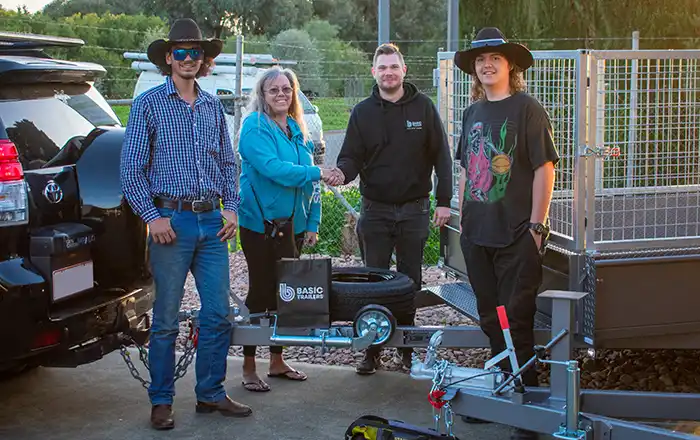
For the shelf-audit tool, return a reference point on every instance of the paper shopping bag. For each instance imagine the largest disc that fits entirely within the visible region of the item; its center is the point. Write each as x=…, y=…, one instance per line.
x=304, y=287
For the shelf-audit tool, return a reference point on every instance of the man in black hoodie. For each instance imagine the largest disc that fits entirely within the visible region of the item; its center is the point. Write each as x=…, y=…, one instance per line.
x=394, y=140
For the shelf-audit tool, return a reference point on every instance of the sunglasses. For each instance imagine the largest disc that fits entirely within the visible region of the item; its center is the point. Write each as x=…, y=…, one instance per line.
x=489, y=42
x=181, y=54
x=274, y=91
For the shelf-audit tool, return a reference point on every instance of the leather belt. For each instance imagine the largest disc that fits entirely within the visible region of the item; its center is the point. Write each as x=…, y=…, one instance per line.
x=196, y=206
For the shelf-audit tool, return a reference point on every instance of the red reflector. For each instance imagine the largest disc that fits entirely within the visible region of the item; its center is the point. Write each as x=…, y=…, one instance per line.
x=8, y=151
x=10, y=172
x=47, y=338
x=10, y=168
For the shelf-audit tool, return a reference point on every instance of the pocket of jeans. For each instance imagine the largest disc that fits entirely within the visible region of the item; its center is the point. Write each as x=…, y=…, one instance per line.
x=168, y=213
x=533, y=245
x=425, y=206
x=421, y=206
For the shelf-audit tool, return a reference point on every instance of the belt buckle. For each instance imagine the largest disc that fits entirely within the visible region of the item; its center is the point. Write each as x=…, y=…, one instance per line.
x=201, y=203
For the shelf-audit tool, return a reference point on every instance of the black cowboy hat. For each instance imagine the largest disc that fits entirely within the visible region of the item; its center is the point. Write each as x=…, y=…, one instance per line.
x=491, y=39
x=184, y=30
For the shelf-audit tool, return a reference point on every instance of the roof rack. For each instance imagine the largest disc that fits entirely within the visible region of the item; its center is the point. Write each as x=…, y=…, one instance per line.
x=16, y=40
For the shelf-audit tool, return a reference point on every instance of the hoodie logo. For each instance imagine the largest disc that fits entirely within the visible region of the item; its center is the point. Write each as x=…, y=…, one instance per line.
x=414, y=125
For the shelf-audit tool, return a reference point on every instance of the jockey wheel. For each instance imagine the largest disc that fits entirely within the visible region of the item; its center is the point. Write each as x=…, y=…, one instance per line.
x=379, y=318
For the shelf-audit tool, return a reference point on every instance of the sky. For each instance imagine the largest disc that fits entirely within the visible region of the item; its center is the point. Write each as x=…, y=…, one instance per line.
x=32, y=5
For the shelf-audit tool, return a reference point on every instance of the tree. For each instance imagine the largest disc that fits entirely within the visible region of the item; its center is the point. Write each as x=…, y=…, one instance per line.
x=67, y=8
x=295, y=44
x=340, y=60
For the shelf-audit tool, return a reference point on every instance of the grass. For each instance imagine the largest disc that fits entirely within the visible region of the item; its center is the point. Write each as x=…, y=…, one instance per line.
x=334, y=112
x=122, y=112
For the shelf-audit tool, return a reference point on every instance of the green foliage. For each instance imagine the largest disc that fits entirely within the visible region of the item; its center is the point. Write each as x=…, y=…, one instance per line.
x=340, y=60
x=296, y=44
x=334, y=112
x=333, y=220
x=106, y=38
x=323, y=61
x=597, y=24
x=66, y=8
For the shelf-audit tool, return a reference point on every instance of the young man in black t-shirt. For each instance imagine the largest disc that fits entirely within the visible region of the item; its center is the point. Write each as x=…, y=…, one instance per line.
x=507, y=156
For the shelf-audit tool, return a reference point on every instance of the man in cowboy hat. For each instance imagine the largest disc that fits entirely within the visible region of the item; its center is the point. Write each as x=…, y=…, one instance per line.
x=177, y=169
x=507, y=155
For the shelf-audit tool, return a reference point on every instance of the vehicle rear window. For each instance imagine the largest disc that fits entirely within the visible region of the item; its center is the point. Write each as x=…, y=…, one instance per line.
x=41, y=119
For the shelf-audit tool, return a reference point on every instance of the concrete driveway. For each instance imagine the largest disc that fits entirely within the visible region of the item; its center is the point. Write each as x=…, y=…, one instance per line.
x=102, y=401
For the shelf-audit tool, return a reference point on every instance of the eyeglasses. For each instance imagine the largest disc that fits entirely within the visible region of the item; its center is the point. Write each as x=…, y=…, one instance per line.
x=489, y=42
x=274, y=91
x=181, y=54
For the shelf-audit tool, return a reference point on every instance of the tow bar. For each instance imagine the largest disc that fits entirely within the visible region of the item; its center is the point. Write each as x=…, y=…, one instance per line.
x=373, y=325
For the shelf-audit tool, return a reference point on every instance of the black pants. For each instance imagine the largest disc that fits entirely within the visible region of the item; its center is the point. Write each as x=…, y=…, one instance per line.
x=383, y=228
x=261, y=255
x=510, y=277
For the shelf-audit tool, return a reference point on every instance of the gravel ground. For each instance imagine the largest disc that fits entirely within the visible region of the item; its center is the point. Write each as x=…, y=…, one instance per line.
x=651, y=370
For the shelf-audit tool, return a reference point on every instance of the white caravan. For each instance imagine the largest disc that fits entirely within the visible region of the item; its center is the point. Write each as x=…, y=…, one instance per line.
x=223, y=83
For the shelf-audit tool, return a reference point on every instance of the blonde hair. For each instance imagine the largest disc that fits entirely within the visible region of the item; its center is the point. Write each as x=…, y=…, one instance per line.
x=257, y=97
x=516, y=83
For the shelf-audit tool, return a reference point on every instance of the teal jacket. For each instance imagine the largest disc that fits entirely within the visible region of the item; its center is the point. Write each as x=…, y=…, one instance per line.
x=275, y=166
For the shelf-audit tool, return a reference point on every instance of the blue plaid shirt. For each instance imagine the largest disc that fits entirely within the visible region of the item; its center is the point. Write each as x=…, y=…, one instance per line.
x=176, y=151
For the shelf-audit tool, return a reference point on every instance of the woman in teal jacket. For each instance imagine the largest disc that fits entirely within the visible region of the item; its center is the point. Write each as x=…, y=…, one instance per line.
x=278, y=181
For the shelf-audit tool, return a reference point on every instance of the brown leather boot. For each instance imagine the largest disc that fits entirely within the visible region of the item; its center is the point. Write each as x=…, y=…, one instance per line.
x=162, y=417
x=227, y=407
x=370, y=361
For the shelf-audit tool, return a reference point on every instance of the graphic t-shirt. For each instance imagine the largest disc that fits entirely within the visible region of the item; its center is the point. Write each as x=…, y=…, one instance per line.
x=501, y=145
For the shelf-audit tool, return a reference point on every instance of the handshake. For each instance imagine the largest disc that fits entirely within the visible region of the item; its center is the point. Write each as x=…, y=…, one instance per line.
x=332, y=176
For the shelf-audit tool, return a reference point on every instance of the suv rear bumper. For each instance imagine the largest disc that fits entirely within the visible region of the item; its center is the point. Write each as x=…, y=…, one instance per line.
x=74, y=333
x=102, y=330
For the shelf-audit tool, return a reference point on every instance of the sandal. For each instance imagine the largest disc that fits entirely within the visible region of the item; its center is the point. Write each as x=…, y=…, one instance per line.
x=256, y=386
x=290, y=375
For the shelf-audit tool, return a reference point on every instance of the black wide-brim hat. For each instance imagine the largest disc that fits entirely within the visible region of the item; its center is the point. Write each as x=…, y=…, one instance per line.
x=491, y=39
x=184, y=30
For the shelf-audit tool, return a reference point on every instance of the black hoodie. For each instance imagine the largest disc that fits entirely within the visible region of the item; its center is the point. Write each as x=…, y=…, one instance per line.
x=394, y=148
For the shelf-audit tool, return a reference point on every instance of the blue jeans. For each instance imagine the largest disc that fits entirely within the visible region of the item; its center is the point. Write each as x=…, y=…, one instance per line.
x=196, y=248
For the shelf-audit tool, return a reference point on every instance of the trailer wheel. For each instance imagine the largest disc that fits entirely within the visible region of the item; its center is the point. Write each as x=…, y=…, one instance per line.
x=378, y=317
x=356, y=287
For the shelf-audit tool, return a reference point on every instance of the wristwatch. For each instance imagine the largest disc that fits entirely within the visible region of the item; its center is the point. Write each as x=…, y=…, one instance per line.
x=540, y=228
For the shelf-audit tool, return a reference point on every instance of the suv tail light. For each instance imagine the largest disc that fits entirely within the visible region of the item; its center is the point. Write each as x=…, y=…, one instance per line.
x=13, y=191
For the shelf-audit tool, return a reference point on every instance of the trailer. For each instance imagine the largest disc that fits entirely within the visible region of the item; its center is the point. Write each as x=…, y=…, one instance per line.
x=625, y=214
x=621, y=269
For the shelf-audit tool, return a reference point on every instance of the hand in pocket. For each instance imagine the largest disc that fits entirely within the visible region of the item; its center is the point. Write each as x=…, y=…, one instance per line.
x=161, y=230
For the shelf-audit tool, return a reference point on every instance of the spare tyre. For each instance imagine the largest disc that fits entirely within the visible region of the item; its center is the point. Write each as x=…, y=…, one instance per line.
x=355, y=287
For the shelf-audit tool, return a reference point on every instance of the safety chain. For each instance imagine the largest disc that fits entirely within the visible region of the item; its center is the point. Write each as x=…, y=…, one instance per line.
x=181, y=366
x=435, y=398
